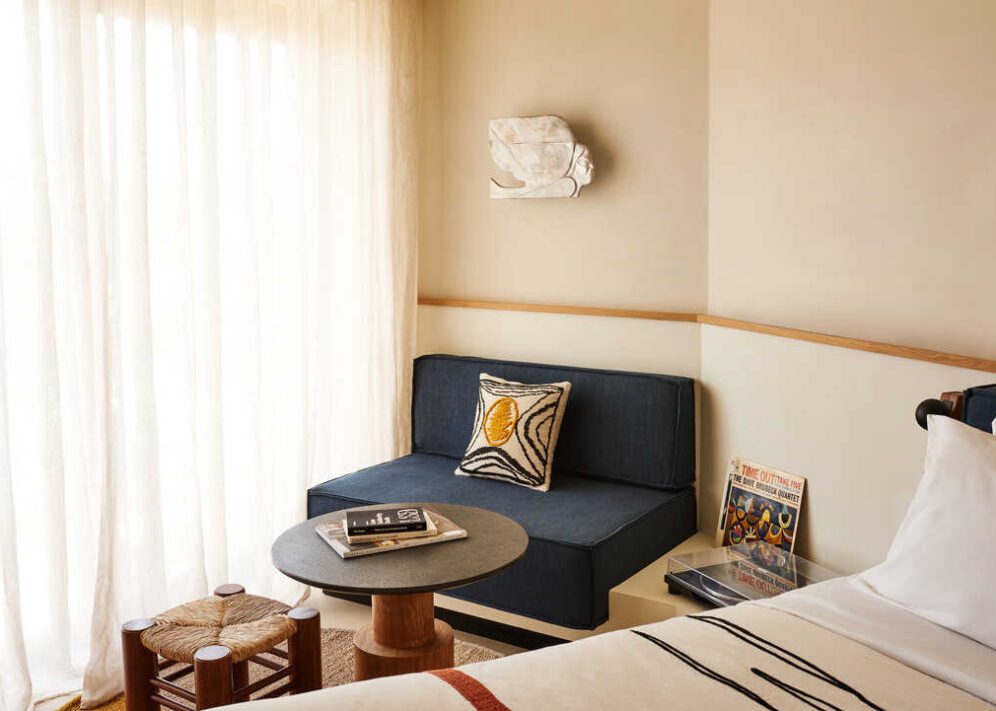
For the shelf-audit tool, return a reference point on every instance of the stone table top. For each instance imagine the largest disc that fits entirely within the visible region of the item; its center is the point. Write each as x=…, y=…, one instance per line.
x=493, y=542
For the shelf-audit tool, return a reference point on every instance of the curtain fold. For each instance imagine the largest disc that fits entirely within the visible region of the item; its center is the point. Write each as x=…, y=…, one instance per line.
x=207, y=300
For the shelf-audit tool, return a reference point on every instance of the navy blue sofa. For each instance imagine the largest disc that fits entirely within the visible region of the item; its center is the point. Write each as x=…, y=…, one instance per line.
x=622, y=491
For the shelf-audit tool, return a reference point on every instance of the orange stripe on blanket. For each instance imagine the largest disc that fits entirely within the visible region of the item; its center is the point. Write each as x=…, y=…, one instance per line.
x=471, y=689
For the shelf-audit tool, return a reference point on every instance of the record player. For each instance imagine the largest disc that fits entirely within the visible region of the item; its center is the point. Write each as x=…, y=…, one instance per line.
x=749, y=571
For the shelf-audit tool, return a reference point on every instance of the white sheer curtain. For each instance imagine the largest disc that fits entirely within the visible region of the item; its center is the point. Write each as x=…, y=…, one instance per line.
x=207, y=295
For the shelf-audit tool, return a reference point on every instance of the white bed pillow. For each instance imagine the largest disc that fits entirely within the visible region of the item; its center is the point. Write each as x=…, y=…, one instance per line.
x=942, y=563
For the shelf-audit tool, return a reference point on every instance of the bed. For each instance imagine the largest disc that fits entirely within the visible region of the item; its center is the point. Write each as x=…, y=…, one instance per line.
x=902, y=635
x=836, y=645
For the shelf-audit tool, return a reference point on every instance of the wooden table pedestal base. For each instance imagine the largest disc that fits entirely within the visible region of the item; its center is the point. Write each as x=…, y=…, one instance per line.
x=404, y=637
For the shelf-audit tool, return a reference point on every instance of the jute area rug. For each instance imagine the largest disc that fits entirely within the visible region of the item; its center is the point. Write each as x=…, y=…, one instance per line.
x=337, y=665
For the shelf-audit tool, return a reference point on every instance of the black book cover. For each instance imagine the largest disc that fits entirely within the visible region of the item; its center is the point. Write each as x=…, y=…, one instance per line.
x=387, y=520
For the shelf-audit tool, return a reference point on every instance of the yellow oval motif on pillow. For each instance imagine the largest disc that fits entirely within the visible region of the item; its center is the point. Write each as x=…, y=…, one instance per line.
x=499, y=423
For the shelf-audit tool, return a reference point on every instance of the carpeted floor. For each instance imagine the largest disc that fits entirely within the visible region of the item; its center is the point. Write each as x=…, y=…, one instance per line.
x=337, y=665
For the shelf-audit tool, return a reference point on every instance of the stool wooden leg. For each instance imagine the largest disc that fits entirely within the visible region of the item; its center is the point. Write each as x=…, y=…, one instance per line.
x=229, y=589
x=140, y=666
x=240, y=670
x=240, y=677
x=304, y=649
x=213, y=676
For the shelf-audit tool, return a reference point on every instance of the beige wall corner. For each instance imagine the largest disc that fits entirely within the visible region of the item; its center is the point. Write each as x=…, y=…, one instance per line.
x=819, y=165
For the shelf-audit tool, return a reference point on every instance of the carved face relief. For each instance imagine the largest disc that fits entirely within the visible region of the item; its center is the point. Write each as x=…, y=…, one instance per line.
x=584, y=169
x=542, y=153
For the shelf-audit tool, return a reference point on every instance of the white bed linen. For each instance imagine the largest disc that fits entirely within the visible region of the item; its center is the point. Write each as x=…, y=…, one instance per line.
x=622, y=670
x=849, y=607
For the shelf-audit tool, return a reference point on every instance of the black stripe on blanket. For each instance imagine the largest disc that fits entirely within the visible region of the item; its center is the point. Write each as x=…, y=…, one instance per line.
x=783, y=655
x=705, y=671
x=803, y=696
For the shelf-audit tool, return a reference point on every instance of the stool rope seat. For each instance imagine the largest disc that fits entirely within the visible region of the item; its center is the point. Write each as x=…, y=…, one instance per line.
x=217, y=637
x=246, y=624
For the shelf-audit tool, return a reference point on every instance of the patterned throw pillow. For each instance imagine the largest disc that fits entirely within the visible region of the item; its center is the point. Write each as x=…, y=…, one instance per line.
x=515, y=432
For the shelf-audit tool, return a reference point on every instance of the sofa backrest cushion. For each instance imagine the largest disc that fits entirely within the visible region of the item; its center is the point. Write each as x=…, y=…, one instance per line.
x=635, y=428
x=980, y=407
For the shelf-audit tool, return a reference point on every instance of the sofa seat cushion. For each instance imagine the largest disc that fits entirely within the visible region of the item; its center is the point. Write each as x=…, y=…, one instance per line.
x=583, y=513
x=586, y=535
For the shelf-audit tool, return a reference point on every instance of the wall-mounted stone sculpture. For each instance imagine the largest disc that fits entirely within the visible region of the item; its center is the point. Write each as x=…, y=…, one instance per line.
x=541, y=152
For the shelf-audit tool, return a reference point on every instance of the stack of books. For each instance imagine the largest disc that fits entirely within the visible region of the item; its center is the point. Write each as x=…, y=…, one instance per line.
x=369, y=531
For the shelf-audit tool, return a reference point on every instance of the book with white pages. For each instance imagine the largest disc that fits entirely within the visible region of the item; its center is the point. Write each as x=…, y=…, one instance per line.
x=333, y=533
x=430, y=530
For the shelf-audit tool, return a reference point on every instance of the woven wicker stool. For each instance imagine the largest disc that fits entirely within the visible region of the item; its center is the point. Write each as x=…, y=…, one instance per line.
x=215, y=639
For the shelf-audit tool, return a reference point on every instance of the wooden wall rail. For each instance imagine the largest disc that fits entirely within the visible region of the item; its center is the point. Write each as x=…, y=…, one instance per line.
x=550, y=309
x=856, y=344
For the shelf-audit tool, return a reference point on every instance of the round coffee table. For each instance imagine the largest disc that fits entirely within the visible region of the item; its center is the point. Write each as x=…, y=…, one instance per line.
x=404, y=636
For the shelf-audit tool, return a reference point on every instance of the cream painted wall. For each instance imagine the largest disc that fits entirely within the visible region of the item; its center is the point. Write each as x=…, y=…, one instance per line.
x=853, y=168
x=586, y=341
x=631, y=79
x=841, y=418
x=852, y=190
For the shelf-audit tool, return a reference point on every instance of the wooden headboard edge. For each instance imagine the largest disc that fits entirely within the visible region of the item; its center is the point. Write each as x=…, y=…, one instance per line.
x=950, y=404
